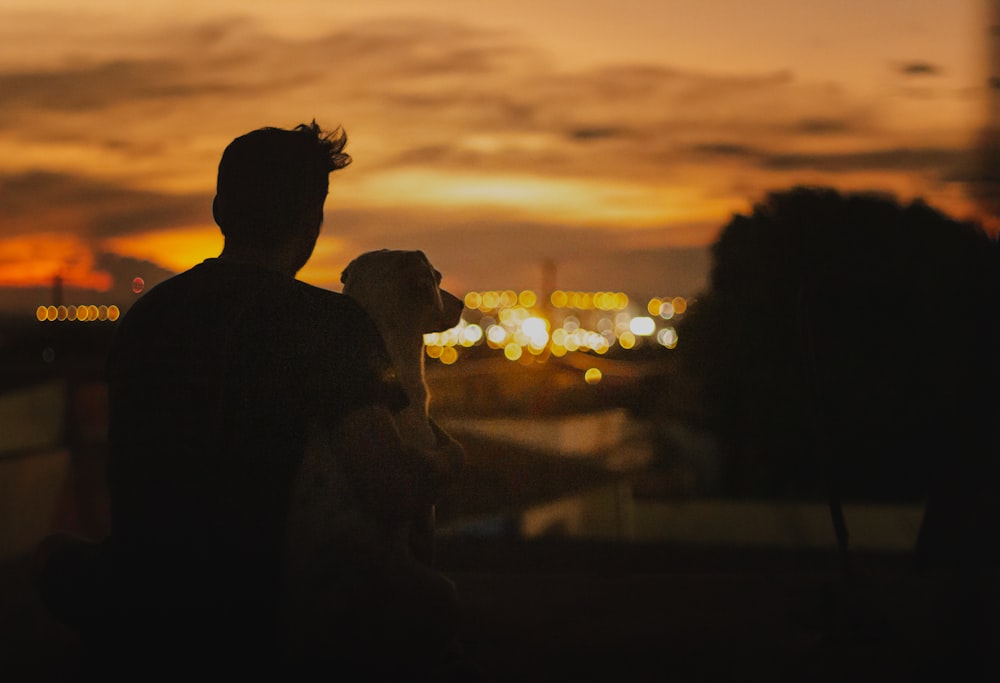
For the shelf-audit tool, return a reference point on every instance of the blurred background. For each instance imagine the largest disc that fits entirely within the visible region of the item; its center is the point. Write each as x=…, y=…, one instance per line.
x=718, y=258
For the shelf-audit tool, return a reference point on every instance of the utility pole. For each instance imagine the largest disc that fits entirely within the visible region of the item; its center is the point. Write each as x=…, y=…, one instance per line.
x=548, y=285
x=57, y=289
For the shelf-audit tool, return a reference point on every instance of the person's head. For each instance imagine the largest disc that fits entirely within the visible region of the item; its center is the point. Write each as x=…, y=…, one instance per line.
x=271, y=187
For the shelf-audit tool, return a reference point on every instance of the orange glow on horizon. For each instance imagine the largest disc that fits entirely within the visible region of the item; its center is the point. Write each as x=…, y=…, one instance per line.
x=177, y=249
x=181, y=248
x=330, y=257
x=35, y=260
x=584, y=201
x=523, y=124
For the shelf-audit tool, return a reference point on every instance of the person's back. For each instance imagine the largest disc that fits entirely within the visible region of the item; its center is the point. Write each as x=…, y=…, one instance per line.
x=218, y=377
x=214, y=377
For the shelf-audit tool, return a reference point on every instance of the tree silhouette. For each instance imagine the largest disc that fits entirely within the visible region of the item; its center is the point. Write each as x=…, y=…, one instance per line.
x=845, y=340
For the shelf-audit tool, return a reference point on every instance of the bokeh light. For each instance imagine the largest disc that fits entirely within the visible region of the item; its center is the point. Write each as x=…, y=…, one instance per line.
x=472, y=335
x=667, y=337
x=575, y=321
x=473, y=300
x=496, y=336
x=77, y=313
x=642, y=326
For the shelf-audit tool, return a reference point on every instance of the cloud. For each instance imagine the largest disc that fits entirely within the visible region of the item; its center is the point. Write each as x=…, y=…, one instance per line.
x=597, y=133
x=86, y=278
x=825, y=126
x=412, y=94
x=109, y=133
x=935, y=160
x=98, y=86
x=919, y=69
x=44, y=201
x=414, y=86
x=942, y=161
x=36, y=259
x=726, y=149
x=483, y=253
x=124, y=269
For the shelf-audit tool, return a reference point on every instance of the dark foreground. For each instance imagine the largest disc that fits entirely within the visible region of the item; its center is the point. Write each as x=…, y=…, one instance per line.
x=555, y=610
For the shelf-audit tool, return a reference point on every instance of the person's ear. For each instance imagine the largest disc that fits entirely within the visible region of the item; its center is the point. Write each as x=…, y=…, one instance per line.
x=218, y=211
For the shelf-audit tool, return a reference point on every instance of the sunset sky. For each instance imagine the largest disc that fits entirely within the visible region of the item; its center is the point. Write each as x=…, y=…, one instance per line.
x=614, y=138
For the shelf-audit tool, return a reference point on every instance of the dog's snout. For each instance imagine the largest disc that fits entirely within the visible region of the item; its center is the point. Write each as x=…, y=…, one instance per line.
x=451, y=309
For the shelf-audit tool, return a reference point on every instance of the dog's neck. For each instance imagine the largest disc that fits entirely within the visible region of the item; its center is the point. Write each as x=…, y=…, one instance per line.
x=406, y=351
x=407, y=355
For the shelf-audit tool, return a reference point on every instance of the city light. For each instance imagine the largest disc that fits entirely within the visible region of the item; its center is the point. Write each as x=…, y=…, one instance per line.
x=472, y=335
x=587, y=301
x=473, y=300
x=667, y=337
x=78, y=313
x=642, y=326
x=667, y=307
x=530, y=328
x=497, y=336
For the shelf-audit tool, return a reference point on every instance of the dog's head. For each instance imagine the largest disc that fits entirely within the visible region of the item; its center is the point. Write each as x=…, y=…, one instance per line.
x=401, y=288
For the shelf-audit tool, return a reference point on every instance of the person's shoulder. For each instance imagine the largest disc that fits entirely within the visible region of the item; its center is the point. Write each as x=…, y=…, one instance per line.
x=329, y=301
x=319, y=294
x=151, y=297
x=171, y=289
x=185, y=279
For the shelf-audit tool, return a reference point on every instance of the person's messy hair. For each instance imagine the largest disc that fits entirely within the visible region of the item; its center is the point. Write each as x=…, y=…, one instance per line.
x=269, y=177
x=330, y=146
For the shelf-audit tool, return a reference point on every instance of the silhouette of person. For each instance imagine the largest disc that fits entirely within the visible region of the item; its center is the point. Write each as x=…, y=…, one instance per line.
x=216, y=378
